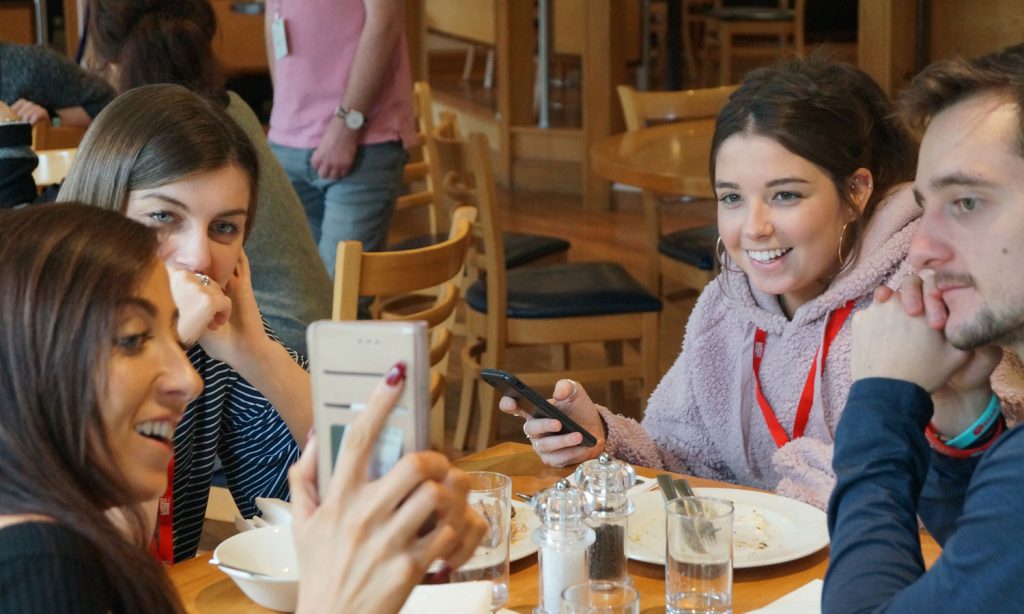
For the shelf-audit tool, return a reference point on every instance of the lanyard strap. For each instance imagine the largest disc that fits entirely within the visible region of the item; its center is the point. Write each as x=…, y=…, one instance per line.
x=164, y=543
x=835, y=322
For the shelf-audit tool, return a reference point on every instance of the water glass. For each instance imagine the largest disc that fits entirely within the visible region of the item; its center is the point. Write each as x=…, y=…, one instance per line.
x=698, y=556
x=598, y=597
x=490, y=495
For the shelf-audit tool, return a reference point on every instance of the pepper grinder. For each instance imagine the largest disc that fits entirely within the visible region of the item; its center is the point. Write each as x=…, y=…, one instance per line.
x=607, y=481
x=563, y=540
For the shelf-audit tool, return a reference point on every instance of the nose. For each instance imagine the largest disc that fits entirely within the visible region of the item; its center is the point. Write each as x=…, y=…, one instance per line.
x=188, y=249
x=758, y=222
x=179, y=383
x=929, y=249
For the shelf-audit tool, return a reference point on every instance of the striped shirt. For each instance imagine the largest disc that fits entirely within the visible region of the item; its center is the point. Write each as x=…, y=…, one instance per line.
x=232, y=420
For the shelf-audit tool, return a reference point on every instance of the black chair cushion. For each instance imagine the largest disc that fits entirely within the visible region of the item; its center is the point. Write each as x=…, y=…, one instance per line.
x=751, y=13
x=520, y=248
x=694, y=246
x=568, y=290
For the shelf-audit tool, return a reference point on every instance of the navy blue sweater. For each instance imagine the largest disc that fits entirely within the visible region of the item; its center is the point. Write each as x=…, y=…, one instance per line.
x=887, y=476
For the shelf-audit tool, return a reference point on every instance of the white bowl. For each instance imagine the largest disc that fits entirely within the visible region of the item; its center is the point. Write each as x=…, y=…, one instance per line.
x=269, y=551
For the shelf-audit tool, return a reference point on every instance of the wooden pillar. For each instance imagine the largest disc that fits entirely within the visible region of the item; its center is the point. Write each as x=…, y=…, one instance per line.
x=516, y=39
x=886, y=39
x=415, y=38
x=604, y=67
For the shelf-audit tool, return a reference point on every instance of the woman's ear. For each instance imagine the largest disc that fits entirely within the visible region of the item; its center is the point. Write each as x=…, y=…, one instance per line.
x=860, y=186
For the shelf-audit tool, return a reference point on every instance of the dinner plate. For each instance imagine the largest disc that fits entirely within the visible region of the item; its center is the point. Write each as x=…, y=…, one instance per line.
x=767, y=528
x=521, y=545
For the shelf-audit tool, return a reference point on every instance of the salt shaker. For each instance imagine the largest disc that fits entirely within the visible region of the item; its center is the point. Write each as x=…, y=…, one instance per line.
x=563, y=539
x=607, y=481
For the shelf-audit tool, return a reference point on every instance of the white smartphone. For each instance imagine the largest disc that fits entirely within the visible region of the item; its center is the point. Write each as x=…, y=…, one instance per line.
x=346, y=360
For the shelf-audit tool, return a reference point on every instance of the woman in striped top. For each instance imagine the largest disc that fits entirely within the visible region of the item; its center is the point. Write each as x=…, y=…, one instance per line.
x=167, y=158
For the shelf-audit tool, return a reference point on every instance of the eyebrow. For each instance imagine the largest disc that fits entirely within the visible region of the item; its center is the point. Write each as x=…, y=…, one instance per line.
x=770, y=184
x=140, y=303
x=960, y=179
x=180, y=205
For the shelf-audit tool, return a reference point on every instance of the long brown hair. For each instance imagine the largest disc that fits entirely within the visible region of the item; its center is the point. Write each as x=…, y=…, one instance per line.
x=155, y=135
x=159, y=41
x=831, y=114
x=60, y=290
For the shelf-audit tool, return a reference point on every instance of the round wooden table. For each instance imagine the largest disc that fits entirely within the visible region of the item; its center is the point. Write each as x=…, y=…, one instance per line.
x=667, y=159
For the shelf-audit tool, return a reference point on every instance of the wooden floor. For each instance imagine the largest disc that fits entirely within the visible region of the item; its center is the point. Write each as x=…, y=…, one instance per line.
x=595, y=236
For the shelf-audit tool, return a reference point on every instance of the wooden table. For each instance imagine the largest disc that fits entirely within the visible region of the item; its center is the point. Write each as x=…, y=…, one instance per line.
x=204, y=588
x=668, y=159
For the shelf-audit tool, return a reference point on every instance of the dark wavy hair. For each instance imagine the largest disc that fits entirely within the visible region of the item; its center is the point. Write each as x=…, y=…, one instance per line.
x=947, y=82
x=159, y=41
x=831, y=114
x=60, y=291
x=155, y=135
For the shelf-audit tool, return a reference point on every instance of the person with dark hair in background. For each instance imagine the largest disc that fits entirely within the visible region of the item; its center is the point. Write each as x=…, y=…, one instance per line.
x=922, y=435
x=165, y=157
x=169, y=41
x=807, y=162
x=37, y=82
x=342, y=115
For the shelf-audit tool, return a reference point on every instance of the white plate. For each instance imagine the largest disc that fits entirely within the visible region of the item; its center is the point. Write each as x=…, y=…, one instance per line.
x=521, y=541
x=767, y=528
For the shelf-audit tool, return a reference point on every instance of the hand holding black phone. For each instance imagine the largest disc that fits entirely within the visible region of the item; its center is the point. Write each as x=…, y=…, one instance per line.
x=534, y=404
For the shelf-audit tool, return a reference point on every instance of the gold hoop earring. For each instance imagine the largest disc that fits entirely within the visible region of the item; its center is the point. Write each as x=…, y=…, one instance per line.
x=842, y=235
x=723, y=257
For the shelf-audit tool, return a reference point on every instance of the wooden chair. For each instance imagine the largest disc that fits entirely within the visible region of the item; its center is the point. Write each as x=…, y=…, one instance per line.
x=46, y=136
x=421, y=175
x=751, y=32
x=392, y=276
x=54, y=165
x=684, y=256
x=551, y=305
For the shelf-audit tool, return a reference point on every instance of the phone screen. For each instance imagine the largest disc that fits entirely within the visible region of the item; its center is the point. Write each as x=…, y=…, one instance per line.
x=386, y=451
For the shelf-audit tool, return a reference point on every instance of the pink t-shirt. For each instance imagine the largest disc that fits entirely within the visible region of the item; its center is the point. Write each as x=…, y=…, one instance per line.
x=310, y=81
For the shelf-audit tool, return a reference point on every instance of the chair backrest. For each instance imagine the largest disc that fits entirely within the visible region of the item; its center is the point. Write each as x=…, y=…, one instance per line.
x=45, y=136
x=642, y=109
x=421, y=175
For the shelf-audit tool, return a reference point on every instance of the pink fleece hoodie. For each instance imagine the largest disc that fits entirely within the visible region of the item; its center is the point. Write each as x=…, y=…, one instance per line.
x=703, y=418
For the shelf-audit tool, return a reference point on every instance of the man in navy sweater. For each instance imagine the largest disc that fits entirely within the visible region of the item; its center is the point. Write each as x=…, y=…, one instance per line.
x=922, y=435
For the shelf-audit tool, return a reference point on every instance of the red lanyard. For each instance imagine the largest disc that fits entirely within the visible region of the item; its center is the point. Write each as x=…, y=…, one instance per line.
x=803, y=410
x=164, y=543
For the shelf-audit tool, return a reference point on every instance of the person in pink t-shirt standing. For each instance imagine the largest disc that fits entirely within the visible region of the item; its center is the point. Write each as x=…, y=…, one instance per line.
x=342, y=115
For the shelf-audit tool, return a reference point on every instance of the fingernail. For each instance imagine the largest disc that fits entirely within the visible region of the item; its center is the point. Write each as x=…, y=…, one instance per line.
x=396, y=374
x=440, y=577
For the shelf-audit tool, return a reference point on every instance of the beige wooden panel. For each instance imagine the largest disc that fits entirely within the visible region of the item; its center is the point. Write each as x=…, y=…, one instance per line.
x=239, y=43
x=974, y=28
x=469, y=19
x=886, y=34
x=567, y=26
x=17, y=23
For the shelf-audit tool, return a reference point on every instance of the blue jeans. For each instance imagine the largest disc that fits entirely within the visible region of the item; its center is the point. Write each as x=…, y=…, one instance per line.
x=357, y=207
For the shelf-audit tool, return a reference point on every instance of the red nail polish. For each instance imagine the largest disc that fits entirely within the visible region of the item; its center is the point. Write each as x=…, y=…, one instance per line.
x=440, y=577
x=396, y=374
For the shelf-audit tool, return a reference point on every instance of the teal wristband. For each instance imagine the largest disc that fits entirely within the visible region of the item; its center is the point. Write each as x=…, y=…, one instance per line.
x=981, y=426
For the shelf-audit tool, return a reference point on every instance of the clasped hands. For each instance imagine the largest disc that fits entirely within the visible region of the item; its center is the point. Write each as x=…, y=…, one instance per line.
x=900, y=336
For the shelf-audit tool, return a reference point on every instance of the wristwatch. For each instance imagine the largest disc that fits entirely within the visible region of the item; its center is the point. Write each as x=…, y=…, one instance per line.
x=353, y=119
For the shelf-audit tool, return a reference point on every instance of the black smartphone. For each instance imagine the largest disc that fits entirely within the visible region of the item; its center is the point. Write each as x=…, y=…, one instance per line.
x=534, y=404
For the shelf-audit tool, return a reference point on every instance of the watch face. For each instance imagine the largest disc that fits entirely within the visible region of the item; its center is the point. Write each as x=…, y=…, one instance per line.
x=354, y=119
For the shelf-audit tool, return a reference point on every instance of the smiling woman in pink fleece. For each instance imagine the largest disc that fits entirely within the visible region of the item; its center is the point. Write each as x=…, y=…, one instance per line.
x=807, y=161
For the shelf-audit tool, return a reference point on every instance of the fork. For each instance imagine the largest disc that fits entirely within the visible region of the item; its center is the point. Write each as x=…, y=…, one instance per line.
x=705, y=530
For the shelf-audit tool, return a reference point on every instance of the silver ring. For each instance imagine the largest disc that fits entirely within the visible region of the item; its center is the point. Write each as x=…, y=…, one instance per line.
x=204, y=280
x=575, y=387
x=527, y=434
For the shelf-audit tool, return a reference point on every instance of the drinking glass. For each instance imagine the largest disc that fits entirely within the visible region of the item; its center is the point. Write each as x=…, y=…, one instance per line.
x=490, y=495
x=698, y=556
x=597, y=597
